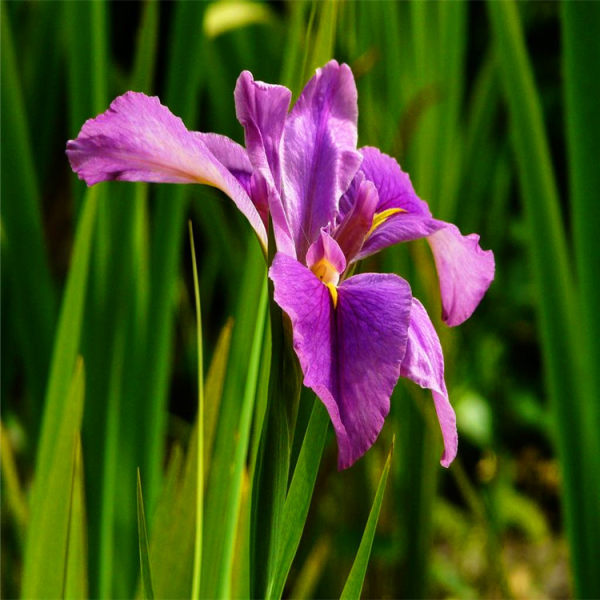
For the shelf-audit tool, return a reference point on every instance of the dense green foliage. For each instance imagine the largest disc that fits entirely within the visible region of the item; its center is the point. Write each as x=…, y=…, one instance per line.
x=108, y=463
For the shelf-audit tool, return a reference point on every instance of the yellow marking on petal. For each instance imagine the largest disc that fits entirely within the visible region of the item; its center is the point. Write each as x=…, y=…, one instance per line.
x=334, y=293
x=326, y=272
x=381, y=217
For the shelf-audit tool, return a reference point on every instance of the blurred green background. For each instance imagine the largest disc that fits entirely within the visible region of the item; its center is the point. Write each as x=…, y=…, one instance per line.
x=492, y=109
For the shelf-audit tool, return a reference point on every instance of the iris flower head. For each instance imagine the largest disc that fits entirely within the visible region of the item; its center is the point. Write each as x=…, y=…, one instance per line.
x=331, y=204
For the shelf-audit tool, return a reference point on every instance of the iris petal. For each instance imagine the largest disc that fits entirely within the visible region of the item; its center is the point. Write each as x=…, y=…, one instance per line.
x=465, y=272
x=424, y=364
x=397, y=228
x=356, y=223
x=139, y=139
x=393, y=184
x=412, y=221
x=230, y=154
x=319, y=152
x=262, y=109
x=326, y=249
x=350, y=355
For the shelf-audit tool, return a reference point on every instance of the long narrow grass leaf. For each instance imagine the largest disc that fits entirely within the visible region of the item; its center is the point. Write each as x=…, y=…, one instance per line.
x=323, y=46
x=42, y=76
x=576, y=435
x=273, y=464
x=116, y=343
x=145, y=570
x=580, y=25
x=221, y=469
x=233, y=505
x=173, y=532
x=173, y=527
x=185, y=74
x=213, y=392
x=15, y=498
x=67, y=339
x=85, y=25
x=356, y=577
x=296, y=505
x=146, y=47
x=25, y=259
x=76, y=579
x=290, y=74
x=46, y=552
x=111, y=459
x=312, y=569
x=200, y=431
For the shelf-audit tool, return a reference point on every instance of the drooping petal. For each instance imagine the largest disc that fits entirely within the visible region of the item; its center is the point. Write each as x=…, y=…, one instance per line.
x=465, y=271
x=319, y=152
x=350, y=355
x=424, y=364
x=262, y=109
x=392, y=183
x=139, y=139
x=356, y=223
x=372, y=319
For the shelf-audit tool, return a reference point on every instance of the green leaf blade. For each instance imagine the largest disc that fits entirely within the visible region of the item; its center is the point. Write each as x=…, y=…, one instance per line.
x=356, y=577
x=173, y=532
x=580, y=25
x=24, y=252
x=295, y=509
x=76, y=579
x=199, y=431
x=47, y=547
x=147, y=589
x=232, y=511
x=563, y=344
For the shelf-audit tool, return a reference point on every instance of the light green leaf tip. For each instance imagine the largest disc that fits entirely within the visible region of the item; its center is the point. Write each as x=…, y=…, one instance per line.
x=222, y=17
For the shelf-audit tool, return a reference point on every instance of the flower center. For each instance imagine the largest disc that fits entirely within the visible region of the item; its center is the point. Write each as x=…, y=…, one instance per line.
x=326, y=272
x=329, y=275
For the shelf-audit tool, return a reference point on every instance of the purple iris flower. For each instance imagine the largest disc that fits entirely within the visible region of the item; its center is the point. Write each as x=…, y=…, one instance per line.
x=331, y=205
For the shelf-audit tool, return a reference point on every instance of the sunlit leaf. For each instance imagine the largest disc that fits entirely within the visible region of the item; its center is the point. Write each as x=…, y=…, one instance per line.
x=76, y=578
x=44, y=572
x=173, y=525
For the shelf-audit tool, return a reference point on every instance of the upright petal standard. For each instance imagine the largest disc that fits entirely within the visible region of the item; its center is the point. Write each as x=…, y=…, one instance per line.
x=331, y=204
